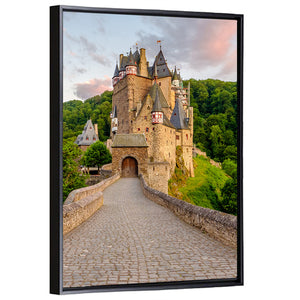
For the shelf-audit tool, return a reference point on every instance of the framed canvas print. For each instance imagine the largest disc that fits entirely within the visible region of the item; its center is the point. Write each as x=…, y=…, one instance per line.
x=146, y=149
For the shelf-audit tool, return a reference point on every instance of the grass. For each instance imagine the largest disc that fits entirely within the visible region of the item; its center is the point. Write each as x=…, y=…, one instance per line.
x=205, y=188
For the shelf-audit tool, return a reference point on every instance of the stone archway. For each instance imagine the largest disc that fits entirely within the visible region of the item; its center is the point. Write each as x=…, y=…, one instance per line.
x=129, y=167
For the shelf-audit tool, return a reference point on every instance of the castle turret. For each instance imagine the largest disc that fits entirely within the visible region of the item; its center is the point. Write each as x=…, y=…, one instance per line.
x=131, y=67
x=157, y=112
x=115, y=78
x=175, y=78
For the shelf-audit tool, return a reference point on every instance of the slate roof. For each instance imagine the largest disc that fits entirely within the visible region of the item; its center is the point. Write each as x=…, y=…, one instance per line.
x=167, y=122
x=131, y=140
x=131, y=60
x=157, y=104
x=88, y=135
x=116, y=74
x=152, y=92
x=162, y=67
x=178, y=116
x=175, y=75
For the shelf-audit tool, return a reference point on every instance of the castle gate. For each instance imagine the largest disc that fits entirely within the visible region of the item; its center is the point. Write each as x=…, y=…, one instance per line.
x=129, y=167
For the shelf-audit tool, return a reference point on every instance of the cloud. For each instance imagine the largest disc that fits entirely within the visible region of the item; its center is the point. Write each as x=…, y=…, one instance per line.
x=81, y=70
x=92, y=87
x=198, y=44
x=86, y=49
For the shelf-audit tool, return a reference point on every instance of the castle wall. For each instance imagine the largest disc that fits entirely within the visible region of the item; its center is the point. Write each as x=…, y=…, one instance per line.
x=120, y=99
x=139, y=153
x=187, y=149
x=158, y=176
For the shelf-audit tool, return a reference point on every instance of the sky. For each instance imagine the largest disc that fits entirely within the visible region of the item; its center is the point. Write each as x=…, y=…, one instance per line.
x=92, y=43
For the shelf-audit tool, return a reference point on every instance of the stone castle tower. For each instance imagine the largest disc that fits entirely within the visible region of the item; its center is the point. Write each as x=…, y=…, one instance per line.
x=151, y=116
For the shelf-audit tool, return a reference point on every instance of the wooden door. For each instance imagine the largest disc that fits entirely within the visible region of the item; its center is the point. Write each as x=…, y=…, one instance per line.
x=129, y=167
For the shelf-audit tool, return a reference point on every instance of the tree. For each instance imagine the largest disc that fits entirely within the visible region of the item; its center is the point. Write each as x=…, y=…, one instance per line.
x=72, y=177
x=96, y=155
x=229, y=196
x=230, y=167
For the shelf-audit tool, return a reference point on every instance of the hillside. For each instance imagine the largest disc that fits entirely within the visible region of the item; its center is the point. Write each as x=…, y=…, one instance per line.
x=205, y=189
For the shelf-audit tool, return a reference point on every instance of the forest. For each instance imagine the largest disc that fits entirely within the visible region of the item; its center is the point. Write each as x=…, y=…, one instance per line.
x=215, y=123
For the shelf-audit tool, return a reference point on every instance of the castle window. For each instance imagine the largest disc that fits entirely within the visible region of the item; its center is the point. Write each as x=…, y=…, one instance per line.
x=94, y=139
x=147, y=129
x=159, y=83
x=87, y=138
x=153, y=128
x=177, y=137
x=145, y=117
x=164, y=70
x=166, y=168
x=148, y=107
x=187, y=136
x=139, y=129
x=169, y=154
x=153, y=168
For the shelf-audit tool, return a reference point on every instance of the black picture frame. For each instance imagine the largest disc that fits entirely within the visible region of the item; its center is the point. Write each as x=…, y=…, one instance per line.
x=56, y=133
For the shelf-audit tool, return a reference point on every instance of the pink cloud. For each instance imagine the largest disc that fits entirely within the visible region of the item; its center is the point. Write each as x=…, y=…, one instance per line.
x=202, y=44
x=92, y=87
x=216, y=40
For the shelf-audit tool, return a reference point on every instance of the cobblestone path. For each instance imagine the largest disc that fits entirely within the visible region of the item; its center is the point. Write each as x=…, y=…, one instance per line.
x=131, y=239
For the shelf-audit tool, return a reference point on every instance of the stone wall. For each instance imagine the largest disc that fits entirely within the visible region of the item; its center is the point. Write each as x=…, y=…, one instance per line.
x=139, y=153
x=158, y=176
x=221, y=226
x=83, y=203
x=94, y=179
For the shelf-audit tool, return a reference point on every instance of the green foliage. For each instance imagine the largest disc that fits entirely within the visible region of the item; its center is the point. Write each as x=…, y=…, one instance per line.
x=76, y=113
x=230, y=167
x=229, y=196
x=215, y=117
x=72, y=178
x=96, y=155
x=205, y=188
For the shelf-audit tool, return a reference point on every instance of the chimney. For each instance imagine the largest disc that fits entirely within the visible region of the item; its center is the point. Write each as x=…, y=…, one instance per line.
x=143, y=52
x=143, y=63
x=96, y=129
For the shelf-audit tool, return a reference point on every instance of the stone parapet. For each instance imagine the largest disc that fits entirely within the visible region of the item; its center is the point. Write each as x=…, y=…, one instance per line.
x=83, y=203
x=219, y=225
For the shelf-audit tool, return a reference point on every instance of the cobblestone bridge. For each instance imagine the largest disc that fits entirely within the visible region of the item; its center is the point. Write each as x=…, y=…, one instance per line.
x=131, y=239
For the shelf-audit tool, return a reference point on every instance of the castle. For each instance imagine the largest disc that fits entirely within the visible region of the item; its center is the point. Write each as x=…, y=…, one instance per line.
x=151, y=116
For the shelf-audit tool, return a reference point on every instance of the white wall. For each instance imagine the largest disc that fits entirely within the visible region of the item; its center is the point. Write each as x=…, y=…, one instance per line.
x=271, y=105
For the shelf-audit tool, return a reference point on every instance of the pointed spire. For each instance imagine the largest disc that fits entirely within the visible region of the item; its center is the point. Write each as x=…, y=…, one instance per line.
x=131, y=61
x=157, y=104
x=175, y=75
x=116, y=74
x=178, y=116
